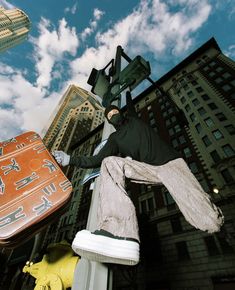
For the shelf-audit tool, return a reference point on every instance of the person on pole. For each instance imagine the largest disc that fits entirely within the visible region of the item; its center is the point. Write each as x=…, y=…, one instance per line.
x=136, y=151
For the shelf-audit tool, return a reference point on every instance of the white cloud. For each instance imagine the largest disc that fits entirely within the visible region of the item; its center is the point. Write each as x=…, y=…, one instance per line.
x=6, y=4
x=97, y=14
x=72, y=9
x=230, y=52
x=153, y=27
x=23, y=106
x=50, y=47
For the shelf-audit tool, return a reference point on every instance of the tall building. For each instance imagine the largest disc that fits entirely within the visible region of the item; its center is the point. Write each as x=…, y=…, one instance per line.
x=77, y=113
x=14, y=27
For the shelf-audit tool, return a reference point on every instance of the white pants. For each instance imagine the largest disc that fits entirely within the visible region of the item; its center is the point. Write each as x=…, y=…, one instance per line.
x=116, y=212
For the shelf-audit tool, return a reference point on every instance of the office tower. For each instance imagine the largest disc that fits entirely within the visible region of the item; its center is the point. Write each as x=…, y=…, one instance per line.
x=14, y=27
x=77, y=113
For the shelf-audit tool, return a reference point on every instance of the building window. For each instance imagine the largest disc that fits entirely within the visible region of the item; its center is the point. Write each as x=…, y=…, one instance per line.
x=198, y=128
x=195, y=102
x=206, y=68
x=182, y=251
x=190, y=94
x=171, y=131
x=202, y=111
x=212, y=63
x=228, y=150
x=199, y=89
x=185, y=87
x=177, y=128
x=152, y=122
x=204, y=185
x=227, y=176
x=168, y=198
x=193, y=167
x=151, y=115
x=211, y=74
x=226, y=87
x=187, y=108
x=212, y=106
x=150, y=204
x=226, y=75
x=206, y=141
x=230, y=129
x=183, y=100
x=174, y=143
x=194, y=83
x=192, y=117
x=209, y=122
x=173, y=119
x=215, y=156
x=218, y=80
x=217, y=134
x=221, y=117
x=168, y=122
x=219, y=69
x=182, y=139
x=176, y=225
x=205, y=97
x=212, y=248
x=187, y=152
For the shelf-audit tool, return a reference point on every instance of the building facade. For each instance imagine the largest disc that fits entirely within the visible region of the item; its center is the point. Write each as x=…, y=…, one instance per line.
x=14, y=27
x=77, y=113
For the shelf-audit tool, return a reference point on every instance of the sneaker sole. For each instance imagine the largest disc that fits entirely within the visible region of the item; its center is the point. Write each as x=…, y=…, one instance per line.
x=105, y=250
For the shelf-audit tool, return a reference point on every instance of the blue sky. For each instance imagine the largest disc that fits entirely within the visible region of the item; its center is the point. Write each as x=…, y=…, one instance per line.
x=68, y=38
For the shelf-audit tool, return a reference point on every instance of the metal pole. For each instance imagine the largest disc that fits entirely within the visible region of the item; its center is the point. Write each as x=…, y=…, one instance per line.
x=90, y=275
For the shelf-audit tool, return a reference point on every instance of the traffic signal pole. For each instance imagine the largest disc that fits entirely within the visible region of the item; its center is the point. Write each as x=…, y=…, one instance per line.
x=90, y=275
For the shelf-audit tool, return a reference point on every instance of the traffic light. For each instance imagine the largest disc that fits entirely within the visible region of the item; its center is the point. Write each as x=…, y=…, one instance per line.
x=131, y=76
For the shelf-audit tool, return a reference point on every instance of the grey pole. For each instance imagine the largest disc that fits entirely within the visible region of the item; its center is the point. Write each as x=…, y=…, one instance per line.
x=90, y=275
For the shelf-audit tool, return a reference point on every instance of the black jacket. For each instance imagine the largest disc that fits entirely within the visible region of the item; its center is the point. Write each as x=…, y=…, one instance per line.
x=135, y=139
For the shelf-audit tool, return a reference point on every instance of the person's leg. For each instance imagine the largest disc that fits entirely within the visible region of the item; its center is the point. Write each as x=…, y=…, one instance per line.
x=116, y=212
x=194, y=203
x=116, y=241
x=116, y=221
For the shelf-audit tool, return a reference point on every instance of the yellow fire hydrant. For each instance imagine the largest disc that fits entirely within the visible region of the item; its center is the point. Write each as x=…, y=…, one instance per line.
x=56, y=270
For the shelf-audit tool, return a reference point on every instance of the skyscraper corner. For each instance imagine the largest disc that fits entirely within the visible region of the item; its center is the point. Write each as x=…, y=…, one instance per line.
x=14, y=27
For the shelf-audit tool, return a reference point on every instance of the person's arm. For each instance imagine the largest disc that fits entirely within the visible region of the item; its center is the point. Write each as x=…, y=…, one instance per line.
x=130, y=106
x=109, y=149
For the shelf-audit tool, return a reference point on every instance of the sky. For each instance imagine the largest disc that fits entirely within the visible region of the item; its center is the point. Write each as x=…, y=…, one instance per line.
x=70, y=37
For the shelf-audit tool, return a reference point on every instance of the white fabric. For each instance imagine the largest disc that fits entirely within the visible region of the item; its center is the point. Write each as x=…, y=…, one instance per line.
x=116, y=212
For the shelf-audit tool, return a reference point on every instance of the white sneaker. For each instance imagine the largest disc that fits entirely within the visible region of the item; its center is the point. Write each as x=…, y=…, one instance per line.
x=102, y=246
